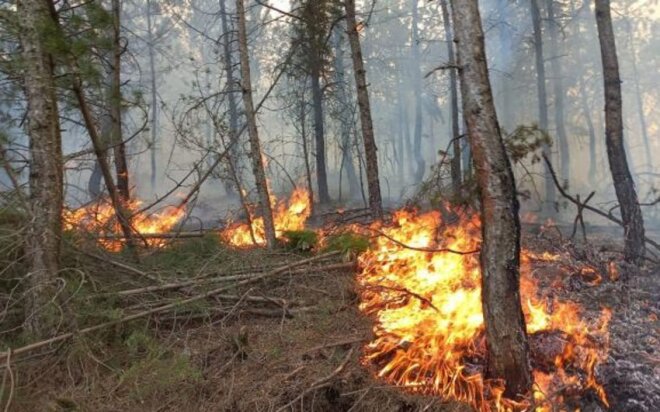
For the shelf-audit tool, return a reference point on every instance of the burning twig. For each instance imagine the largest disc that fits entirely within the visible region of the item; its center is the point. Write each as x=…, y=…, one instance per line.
x=423, y=249
x=407, y=292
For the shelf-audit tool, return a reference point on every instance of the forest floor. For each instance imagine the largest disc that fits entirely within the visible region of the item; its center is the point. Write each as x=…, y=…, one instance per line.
x=288, y=338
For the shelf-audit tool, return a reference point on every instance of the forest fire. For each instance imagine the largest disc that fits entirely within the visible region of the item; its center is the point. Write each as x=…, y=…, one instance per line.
x=99, y=218
x=429, y=332
x=287, y=215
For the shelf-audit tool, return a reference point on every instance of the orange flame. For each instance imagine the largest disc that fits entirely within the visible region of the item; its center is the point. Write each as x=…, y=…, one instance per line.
x=287, y=215
x=99, y=218
x=429, y=332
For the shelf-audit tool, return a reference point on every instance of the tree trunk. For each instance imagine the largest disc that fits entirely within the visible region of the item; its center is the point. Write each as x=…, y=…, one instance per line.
x=117, y=138
x=624, y=186
x=232, y=157
x=345, y=117
x=586, y=112
x=154, y=96
x=305, y=148
x=420, y=169
x=370, y=150
x=319, y=137
x=639, y=97
x=558, y=83
x=453, y=99
x=46, y=169
x=508, y=348
x=255, y=147
x=542, y=96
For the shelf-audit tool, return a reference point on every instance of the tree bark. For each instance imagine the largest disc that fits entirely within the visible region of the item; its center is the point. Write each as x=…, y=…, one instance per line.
x=319, y=135
x=558, y=91
x=345, y=116
x=255, y=146
x=420, y=168
x=232, y=158
x=46, y=168
x=453, y=99
x=508, y=348
x=370, y=150
x=624, y=186
x=542, y=96
x=115, y=101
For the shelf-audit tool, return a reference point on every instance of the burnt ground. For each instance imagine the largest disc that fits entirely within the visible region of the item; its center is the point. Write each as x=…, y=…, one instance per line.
x=292, y=342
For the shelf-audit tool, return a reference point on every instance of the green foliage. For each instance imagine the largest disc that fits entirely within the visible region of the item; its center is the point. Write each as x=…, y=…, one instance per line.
x=302, y=240
x=153, y=368
x=347, y=243
x=186, y=253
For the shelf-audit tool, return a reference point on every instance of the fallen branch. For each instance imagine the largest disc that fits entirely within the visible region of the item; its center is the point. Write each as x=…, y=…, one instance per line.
x=180, y=235
x=159, y=309
x=423, y=249
x=591, y=208
x=321, y=382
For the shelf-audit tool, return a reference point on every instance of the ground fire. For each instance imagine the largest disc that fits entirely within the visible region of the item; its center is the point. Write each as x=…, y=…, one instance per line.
x=291, y=214
x=421, y=282
x=99, y=219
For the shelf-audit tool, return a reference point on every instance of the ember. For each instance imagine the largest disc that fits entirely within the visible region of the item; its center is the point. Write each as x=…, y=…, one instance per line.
x=429, y=332
x=99, y=218
x=287, y=215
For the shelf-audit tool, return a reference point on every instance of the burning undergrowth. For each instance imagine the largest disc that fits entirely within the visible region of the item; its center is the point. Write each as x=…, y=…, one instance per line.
x=291, y=214
x=99, y=218
x=422, y=285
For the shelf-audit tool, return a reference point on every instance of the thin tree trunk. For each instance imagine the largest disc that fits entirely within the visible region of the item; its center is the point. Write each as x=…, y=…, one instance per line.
x=420, y=169
x=558, y=91
x=117, y=139
x=154, y=97
x=542, y=96
x=639, y=97
x=255, y=146
x=319, y=135
x=586, y=112
x=370, y=150
x=631, y=213
x=453, y=99
x=506, y=338
x=46, y=168
x=305, y=147
x=232, y=158
x=345, y=119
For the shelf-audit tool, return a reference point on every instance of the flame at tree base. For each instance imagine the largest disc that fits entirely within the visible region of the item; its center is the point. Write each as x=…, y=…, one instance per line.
x=429, y=332
x=287, y=215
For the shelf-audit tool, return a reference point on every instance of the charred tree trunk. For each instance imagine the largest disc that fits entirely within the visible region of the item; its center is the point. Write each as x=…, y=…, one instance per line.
x=370, y=150
x=420, y=167
x=508, y=348
x=542, y=96
x=344, y=101
x=117, y=139
x=631, y=213
x=46, y=168
x=558, y=91
x=319, y=135
x=453, y=98
x=255, y=146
